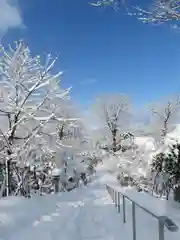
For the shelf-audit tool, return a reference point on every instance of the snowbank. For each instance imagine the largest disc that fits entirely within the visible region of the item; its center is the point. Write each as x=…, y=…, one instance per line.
x=145, y=143
x=175, y=134
x=86, y=213
x=57, y=172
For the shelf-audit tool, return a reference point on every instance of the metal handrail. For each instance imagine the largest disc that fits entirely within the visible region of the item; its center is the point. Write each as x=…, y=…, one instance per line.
x=163, y=221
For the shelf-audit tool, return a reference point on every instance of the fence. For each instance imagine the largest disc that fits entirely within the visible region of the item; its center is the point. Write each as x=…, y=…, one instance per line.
x=163, y=221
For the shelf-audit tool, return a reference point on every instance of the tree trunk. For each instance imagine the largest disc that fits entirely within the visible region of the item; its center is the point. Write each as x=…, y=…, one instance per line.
x=61, y=132
x=114, y=140
x=9, y=176
x=177, y=194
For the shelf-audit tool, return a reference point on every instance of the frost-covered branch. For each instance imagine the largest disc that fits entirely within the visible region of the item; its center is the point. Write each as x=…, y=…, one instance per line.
x=154, y=11
x=165, y=113
x=113, y=111
x=28, y=92
x=160, y=11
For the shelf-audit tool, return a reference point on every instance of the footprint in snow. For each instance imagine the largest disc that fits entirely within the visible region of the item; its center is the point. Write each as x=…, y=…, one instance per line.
x=56, y=214
x=35, y=223
x=58, y=205
x=5, y=218
x=46, y=218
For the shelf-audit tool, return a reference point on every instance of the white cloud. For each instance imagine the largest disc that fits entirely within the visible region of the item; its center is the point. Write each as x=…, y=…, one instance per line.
x=10, y=16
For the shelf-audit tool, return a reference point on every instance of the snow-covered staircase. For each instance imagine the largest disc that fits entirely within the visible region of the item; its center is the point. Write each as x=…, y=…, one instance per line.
x=86, y=213
x=83, y=214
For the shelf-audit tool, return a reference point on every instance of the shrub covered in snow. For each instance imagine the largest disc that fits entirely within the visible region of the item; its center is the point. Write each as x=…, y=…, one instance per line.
x=169, y=164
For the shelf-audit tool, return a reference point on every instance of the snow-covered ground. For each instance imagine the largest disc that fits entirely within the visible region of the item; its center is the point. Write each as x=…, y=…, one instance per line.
x=84, y=214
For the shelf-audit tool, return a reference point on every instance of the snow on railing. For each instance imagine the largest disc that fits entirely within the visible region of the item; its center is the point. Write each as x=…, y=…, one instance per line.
x=163, y=221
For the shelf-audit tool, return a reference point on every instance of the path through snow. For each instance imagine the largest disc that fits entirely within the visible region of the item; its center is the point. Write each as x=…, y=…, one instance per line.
x=84, y=214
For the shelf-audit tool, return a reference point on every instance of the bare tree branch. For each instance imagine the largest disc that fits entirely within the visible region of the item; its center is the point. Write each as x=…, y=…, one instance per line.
x=166, y=112
x=113, y=111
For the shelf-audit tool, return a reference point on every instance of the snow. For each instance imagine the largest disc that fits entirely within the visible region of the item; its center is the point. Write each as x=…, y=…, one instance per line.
x=86, y=213
x=172, y=137
x=135, y=161
x=174, y=134
x=145, y=143
x=83, y=214
x=147, y=225
x=56, y=172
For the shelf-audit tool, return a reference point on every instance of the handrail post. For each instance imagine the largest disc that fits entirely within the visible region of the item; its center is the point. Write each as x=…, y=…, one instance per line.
x=134, y=220
x=161, y=230
x=115, y=199
x=124, y=210
x=113, y=195
x=119, y=207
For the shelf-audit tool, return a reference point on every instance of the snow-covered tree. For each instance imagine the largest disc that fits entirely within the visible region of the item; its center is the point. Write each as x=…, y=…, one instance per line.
x=164, y=114
x=114, y=4
x=168, y=163
x=114, y=113
x=160, y=11
x=154, y=11
x=29, y=92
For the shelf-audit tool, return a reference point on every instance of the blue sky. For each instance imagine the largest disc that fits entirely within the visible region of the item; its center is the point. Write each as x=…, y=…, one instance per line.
x=101, y=51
